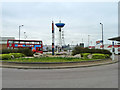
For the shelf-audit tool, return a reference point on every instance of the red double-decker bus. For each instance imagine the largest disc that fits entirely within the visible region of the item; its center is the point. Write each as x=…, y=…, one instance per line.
x=34, y=45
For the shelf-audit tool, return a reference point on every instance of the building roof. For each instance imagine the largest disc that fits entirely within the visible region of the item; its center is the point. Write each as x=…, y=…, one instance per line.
x=6, y=38
x=3, y=40
x=115, y=38
x=26, y=40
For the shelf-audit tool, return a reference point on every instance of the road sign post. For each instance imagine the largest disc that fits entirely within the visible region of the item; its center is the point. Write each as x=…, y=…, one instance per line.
x=113, y=50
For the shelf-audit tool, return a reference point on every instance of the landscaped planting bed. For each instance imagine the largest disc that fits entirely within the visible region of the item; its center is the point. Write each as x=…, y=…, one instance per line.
x=48, y=59
x=18, y=57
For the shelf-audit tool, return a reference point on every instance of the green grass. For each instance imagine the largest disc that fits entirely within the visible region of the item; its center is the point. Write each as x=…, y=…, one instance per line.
x=48, y=59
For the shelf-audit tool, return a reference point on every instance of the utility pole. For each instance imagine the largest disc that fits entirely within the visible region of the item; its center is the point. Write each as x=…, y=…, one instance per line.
x=19, y=30
x=102, y=36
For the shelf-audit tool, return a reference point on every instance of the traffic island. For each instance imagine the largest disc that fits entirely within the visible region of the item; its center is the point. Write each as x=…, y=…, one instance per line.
x=56, y=65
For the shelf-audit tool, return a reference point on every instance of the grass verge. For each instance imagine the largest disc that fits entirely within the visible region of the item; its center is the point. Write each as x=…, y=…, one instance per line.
x=48, y=59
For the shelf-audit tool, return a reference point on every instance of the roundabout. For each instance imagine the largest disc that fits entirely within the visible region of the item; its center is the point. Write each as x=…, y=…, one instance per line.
x=101, y=73
x=56, y=65
x=105, y=76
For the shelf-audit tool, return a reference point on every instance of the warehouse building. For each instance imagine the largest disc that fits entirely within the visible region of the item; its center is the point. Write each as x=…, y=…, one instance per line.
x=3, y=42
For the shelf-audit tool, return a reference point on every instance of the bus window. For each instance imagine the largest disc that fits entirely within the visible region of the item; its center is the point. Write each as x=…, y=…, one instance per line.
x=10, y=41
x=31, y=42
x=26, y=42
x=40, y=42
x=36, y=42
x=16, y=41
x=22, y=42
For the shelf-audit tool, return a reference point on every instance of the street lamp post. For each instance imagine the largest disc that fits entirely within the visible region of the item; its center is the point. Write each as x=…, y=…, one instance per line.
x=102, y=35
x=25, y=36
x=19, y=30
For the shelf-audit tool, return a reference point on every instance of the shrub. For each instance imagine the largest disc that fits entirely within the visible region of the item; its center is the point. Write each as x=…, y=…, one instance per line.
x=84, y=55
x=25, y=51
x=6, y=56
x=78, y=50
x=58, y=54
x=98, y=56
x=17, y=55
x=6, y=51
x=0, y=56
x=107, y=55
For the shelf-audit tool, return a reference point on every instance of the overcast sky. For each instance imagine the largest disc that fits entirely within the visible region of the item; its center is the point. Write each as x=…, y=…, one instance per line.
x=81, y=19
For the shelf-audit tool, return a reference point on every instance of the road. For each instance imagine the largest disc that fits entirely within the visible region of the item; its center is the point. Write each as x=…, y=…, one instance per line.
x=105, y=76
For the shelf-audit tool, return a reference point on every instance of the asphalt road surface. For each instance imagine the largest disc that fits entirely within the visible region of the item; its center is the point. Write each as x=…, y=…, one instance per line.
x=105, y=76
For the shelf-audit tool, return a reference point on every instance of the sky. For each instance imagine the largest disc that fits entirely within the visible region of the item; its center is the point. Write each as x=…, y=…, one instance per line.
x=81, y=19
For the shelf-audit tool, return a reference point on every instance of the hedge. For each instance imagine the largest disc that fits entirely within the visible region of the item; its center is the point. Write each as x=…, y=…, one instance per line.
x=25, y=51
x=84, y=55
x=107, y=55
x=17, y=55
x=78, y=50
x=5, y=56
x=98, y=56
x=0, y=56
x=9, y=56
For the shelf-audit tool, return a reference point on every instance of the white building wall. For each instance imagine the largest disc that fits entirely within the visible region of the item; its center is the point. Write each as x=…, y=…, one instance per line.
x=3, y=40
x=106, y=47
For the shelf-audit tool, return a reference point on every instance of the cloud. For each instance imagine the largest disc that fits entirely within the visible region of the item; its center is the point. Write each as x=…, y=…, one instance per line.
x=81, y=19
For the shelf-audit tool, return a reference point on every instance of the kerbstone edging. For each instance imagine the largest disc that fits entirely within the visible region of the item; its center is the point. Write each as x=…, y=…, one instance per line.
x=56, y=67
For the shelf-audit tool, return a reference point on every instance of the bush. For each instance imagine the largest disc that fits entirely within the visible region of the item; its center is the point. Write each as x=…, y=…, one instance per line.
x=58, y=54
x=107, y=55
x=25, y=51
x=78, y=50
x=0, y=56
x=9, y=56
x=84, y=55
x=17, y=55
x=6, y=51
x=98, y=56
x=6, y=56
